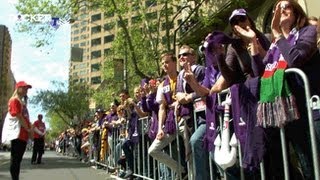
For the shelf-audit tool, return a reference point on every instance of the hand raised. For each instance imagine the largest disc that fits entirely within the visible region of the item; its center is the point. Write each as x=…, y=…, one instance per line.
x=275, y=23
x=246, y=33
x=188, y=74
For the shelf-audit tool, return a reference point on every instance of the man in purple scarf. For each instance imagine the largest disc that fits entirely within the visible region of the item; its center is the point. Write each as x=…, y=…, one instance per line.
x=166, y=125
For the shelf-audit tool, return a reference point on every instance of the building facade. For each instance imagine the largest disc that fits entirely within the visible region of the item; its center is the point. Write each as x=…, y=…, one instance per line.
x=94, y=31
x=7, y=80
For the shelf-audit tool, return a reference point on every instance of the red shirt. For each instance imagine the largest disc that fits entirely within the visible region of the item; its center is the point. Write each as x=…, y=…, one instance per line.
x=40, y=126
x=15, y=107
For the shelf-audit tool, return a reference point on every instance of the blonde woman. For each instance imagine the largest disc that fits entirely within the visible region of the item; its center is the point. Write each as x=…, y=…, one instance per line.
x=19, y=134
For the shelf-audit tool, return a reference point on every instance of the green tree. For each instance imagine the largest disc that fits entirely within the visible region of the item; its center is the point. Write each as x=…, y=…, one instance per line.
x=65, y=107
x=140, y=40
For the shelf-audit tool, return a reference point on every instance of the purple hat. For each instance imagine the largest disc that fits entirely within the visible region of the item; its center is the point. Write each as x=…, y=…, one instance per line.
x=238, y=12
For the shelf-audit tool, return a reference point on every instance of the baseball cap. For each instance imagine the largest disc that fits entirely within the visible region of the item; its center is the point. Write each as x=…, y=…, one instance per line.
x=237, y=12
x=100, y=110
x=22, y=84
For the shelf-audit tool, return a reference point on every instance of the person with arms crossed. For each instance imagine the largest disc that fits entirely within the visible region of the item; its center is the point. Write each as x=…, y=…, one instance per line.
x=39, y=129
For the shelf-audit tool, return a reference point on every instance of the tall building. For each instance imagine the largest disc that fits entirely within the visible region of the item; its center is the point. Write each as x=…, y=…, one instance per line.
x=93, y=32
x=6, y=77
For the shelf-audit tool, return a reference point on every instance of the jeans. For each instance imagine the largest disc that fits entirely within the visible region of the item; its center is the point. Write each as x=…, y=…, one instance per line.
x=200, y=155
x=18, y=148
x=128, y=147
x=157, y=146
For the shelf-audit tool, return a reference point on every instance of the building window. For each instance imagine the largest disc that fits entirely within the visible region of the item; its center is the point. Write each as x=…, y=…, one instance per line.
x=75, y=80
x=96, y=80
x=82, y=44
x=83, y=23
x=165, y=39
x=95, y=29
x=76, y=25
x=107, y=51
x=164, y=27
x=82, y=72
x=136, y=19
x=95, y=67
x=125, y=22
x=95, y=54
x=95, y=17
x=135, y=6
x=150, y=3
x=95, y=42
x=76, y=45
x=153, y=27
x=75, y=32
x=83, y=29
x=109, y=14
x=76, y=38
x=83, y=36
x=152, y=15
x=108, y=39
x=82, y=80
x=109, y=26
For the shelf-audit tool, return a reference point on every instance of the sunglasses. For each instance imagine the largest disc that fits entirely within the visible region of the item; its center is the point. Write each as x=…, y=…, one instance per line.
x=183, y=54
x=237, y=19
x=285, y=6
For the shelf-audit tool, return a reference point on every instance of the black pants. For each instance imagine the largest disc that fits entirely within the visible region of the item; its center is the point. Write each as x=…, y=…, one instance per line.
x=18, y=147
x=38, y=150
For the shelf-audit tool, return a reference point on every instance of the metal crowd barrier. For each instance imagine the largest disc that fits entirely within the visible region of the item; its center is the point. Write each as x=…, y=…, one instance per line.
x=142, y=166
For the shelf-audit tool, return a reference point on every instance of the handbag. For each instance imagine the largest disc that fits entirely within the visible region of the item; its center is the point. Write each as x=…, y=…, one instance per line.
x=11, y=129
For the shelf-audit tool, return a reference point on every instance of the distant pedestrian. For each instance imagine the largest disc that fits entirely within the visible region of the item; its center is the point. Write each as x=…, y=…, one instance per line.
x=39, y=129
x=17, y=127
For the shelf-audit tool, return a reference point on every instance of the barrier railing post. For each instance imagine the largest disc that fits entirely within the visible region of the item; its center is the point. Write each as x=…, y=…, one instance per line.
x=178, y=143
x=284, y=154
x=310, y=118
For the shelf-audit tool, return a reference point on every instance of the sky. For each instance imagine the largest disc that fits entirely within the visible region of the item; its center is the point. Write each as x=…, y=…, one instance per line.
x=37, y=67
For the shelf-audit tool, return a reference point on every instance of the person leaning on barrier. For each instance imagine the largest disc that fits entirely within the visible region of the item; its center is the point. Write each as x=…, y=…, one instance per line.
x=166, y=125
x=237, y=73
x=133, y=134
x=205, y=133
x=109, y=123
x=316, y=22
x=186, y=95
x=294, y=46
x=100, y=118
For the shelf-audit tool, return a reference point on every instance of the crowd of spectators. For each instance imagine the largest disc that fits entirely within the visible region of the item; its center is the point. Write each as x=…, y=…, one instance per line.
x=243, y=63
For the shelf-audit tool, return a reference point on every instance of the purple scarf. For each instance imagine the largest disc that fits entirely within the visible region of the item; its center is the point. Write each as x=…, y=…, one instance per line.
x=133, y=128
x=170, y=124
x=211, y=122
x=153, y=123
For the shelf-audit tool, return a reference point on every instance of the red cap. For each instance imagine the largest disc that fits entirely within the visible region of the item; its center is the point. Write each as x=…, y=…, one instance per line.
x=23, y=84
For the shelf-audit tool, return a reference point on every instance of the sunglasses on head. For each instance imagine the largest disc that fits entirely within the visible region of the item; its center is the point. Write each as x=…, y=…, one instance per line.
x=183, y=54
x=285, y=6
x=238, y=19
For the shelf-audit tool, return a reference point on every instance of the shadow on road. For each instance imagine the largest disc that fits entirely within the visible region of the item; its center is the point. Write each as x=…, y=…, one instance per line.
x=48, y=163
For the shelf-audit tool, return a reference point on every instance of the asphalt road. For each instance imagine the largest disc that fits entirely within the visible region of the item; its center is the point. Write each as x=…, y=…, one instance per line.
x=55, y=167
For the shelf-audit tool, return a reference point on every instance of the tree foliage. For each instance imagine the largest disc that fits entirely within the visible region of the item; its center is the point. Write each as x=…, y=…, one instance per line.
x=64, y=106
x=141, y=37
